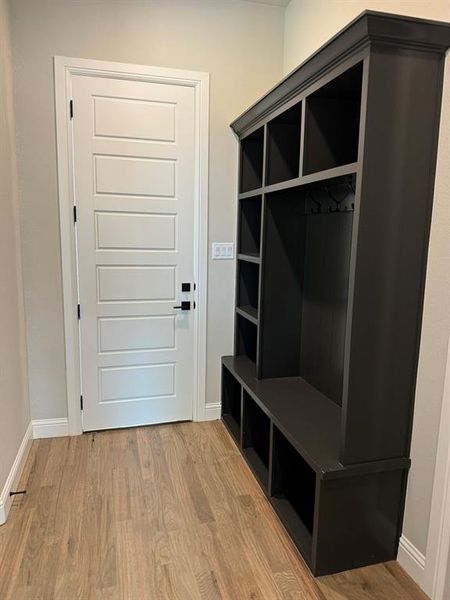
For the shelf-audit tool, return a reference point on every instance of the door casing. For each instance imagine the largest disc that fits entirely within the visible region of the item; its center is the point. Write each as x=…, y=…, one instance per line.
x=64, y=69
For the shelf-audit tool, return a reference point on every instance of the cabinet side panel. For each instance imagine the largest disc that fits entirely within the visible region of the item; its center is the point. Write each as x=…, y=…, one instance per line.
x=358, y=521
x=403, y=105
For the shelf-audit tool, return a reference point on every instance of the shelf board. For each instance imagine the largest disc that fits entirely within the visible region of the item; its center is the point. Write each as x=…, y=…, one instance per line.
x=247, y=367
x=248, y=312
x=310, y=421
x=259, y=469
x=251, y=193
x=349, y=169
x=253, y=258
x=233, y=427
x=312, y=178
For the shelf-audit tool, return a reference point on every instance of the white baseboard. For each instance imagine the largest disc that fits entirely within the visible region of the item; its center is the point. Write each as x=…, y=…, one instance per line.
x=48, y=428
x=212, y=411
x=14, y=474
x=412, y=560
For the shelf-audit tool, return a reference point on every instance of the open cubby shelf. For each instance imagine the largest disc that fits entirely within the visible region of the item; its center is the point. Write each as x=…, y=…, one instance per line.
x=252, y=156
x=283, y=146
x=246, y=337
x=332, y=122
x=248, y=284
x=293, y=489
x=329, y=285
x=249, y=236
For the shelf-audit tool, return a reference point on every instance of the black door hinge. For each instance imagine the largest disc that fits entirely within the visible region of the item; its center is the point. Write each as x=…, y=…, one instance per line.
x=71, y=109
x=81, y=402
x=74, y=214
x=79, y=311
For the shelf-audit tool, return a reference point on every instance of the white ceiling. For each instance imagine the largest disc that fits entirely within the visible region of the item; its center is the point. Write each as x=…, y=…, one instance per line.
x=275, y=2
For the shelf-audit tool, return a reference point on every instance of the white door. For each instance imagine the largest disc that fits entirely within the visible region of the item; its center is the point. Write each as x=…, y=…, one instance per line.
x=134, y=192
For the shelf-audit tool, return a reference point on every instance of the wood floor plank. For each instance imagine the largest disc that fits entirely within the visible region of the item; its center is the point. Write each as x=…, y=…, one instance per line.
x=169, y=512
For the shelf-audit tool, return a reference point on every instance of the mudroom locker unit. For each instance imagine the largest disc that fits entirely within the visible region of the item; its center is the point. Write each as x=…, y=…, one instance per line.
x=336, y=178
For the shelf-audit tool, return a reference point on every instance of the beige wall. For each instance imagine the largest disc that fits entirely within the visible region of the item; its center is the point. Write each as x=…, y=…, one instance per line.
x=308, y=24
x=239, y=43
x=14, y=409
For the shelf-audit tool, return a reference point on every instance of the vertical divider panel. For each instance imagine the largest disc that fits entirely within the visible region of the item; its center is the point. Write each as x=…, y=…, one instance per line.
x=302, y=137
x=236, y=264
x=316, y=520
x=261, y=287
x=269, y=483
x=261, y=255
x=264, y=168
x=241, y=437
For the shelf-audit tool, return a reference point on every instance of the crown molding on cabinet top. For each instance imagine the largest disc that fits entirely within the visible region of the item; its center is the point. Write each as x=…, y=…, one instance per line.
x=369, y=28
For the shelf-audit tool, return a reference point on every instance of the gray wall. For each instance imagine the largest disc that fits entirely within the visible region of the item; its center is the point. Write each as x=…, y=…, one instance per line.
x=239, y=43
x=309, y=23
x=14, y=408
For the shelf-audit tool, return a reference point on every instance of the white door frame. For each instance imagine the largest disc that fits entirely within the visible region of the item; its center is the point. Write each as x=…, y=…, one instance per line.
x=65, y=69
x=438, y=544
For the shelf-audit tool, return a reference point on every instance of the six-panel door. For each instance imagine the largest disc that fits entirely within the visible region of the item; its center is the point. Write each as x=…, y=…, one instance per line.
x=134, y=190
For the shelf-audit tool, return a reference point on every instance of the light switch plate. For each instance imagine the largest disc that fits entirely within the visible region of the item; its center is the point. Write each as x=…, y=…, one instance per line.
x=223, y=250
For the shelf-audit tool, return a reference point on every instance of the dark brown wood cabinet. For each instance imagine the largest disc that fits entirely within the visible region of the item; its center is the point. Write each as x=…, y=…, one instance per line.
x=337, y=168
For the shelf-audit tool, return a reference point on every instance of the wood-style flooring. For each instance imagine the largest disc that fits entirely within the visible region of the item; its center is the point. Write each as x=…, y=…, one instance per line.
x=164, y=512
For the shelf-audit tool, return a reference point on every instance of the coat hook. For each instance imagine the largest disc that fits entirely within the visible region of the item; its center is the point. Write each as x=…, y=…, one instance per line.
x=352, y=187
x=335, y=200
x=311, y=197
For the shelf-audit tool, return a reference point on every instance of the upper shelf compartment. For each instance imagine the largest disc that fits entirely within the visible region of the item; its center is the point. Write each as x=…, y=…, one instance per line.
x=283, y=145
x=332, y=122
x=249, y=231
x=252, y=152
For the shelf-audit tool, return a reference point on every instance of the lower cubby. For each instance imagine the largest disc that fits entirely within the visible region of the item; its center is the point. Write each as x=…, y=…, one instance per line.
x=256, y=439
x=293, y=491
x=231, y=404
x=339, y=516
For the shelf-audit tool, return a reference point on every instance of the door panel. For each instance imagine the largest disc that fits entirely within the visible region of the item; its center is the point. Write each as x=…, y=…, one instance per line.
x=134, y=190
x=135, y=119
x=137, y=382
x=134, y=176
x=136, y=284
x=132, y=334
x=135, y=232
